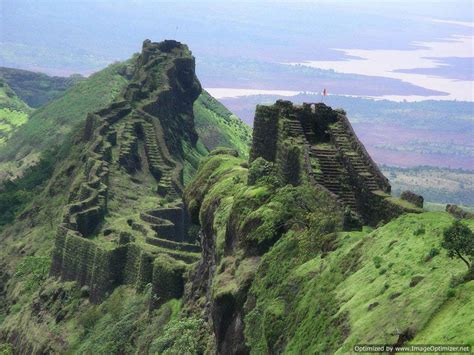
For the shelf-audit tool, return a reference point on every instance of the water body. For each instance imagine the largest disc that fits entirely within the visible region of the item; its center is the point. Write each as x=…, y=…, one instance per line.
x=403, y=65
x=234, y=93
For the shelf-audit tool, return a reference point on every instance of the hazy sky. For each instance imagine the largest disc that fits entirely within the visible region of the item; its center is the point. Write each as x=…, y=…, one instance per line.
x=63, y=37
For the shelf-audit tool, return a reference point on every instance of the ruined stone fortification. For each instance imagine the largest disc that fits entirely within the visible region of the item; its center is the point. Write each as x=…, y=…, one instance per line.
x=315, y=143
x=125, y=222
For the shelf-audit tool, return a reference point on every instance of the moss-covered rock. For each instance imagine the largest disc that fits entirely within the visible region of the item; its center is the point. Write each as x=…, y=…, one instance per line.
x=413, y=198
x=168, y=282
x=260, y=170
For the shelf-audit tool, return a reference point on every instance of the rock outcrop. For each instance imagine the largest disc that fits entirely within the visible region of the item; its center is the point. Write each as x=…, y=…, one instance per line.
x=458, y=212
x=413, y=198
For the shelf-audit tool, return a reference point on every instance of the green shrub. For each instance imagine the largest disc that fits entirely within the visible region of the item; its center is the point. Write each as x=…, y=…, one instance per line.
x=32, y=270
x=6, y=349
x=377, y=261
x=89, y=318
x=15, y=195
x=263, y=171
x=114, y=304
x=432, y=253
x=456, y=281
x=419, y=231
x=458, y=240
x=182, y=336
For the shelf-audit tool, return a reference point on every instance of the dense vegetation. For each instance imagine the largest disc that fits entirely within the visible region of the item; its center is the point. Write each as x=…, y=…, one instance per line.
x=218, y=127
x=319, y=290
x=16, y=194
x=36, y=89
x=10, y=100
x=13, y=111
x=10, y=120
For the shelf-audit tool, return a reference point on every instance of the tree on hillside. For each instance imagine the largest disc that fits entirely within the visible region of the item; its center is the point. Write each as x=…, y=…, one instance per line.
x=458, y=239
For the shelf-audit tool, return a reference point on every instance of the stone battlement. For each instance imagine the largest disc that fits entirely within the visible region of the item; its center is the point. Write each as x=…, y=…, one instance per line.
x=317, y=143
x=124, y=211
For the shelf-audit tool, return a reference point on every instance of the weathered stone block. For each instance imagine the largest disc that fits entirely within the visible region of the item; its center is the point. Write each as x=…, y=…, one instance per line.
x=265, y=133
x=168, y=281
x=413, y=198
x=458, y=212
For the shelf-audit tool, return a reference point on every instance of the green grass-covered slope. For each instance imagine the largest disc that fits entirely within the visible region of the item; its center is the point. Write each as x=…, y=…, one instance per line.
x=218, y=127
x=50, y=124
x=310, y=287
x=36, y=89
x=13, y=112
x=10, y=100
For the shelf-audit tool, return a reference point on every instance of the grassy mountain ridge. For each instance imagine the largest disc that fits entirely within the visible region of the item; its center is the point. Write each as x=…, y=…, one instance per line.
x=316, y=291
x=36, y=201
x=51, y=123
x=217, y=126
x=36, y=89
x=13, y=111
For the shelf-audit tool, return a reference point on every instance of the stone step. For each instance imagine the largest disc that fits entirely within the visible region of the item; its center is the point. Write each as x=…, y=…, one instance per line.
x=188, y=258
x=325, y=153
x=316, y=149
x=326, y=158
x=168, y=244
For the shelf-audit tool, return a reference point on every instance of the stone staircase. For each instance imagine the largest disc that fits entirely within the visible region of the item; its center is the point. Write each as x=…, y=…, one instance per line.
x=156, y=162
x=165, y=228
x=343, y=141
x=294, y=127
x=159, y=167
x=333, y=175
x=128, y=154
x=308, y=132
